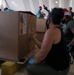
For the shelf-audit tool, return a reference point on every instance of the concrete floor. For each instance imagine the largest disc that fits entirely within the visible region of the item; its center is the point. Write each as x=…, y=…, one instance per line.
x=23, y=71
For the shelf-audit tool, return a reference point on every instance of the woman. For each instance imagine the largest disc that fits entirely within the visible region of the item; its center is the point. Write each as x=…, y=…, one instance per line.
x=53, y=58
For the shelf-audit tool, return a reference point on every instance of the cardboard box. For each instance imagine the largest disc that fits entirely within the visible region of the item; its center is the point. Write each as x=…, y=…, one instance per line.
x=15, y=34
x=40, y=28
x=41, y=25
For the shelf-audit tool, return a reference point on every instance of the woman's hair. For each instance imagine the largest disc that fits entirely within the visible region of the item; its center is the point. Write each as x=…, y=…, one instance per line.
x=56, y=15
x=68, y=18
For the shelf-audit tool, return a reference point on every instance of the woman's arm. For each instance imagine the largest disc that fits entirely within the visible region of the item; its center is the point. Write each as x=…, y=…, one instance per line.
x=46, y=46
x=72, y=42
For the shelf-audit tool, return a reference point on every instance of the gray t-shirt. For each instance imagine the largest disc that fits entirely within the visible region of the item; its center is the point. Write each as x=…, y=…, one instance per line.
x=68, y=33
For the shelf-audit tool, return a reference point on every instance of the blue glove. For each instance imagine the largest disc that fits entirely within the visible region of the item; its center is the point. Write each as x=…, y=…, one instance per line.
x=31, y=61
x=69, y=47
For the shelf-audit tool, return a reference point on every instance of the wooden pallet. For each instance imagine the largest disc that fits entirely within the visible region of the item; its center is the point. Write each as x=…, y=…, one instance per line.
x=9, y=68
x=25, y=59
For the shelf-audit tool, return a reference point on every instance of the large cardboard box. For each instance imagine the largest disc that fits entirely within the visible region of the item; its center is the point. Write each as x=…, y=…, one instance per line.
x=41, y=25
x=15, y=34
x=40, y=28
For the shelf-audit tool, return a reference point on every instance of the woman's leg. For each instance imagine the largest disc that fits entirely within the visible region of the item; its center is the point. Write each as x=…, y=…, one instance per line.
x=44, y=69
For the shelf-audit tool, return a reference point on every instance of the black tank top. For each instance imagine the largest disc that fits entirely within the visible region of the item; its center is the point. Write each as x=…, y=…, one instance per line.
x=58, y=57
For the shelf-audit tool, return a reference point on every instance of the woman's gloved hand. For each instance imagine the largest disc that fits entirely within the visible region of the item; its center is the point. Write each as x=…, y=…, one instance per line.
x=31, y=61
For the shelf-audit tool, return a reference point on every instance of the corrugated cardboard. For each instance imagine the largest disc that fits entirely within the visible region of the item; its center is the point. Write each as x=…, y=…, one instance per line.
x=41, y=25
x=40, y=28
x=14, y=34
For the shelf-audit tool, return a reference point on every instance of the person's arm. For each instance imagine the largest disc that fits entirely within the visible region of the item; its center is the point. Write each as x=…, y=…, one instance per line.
x=71, y=26
x=46, y=8
x=72, y=42
x=46, y=46
x=72, y=30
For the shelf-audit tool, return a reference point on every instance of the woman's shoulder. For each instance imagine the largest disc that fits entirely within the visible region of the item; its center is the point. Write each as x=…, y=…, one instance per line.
x=52, y=30
x=53, y=33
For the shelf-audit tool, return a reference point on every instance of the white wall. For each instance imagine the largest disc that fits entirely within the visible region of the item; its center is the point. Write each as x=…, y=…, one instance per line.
x=32, y=5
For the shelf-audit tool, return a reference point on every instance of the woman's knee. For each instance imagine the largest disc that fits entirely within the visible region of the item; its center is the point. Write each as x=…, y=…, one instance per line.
x=28, y=67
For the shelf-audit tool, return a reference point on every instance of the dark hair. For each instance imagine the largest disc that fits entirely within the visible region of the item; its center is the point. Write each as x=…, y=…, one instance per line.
x=5, y=8
x=56, y=15
x=0, y=10
x=68, y=18
x=70, y=8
